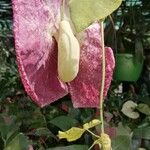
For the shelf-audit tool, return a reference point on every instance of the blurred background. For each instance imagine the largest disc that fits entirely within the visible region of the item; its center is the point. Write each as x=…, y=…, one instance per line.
x=127, y=31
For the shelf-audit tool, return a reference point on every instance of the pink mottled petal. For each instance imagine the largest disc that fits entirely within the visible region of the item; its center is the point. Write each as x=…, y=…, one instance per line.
x=35, y=21
x=85, y=89
x=110, y=65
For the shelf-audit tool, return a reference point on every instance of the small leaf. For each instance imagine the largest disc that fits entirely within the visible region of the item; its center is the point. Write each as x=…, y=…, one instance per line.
x=143, y=108
x=91, y=124
x=72, y=134
x=44, y=132
x=38, y=119
x=64, y=122
x=85, y=12
x=8, y=127
x=128, y=110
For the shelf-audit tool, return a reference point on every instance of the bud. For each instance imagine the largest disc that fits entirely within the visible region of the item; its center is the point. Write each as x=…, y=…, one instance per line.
x=105, y=141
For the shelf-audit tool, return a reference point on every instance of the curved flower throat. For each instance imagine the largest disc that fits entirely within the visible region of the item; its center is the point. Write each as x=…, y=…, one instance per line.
x=68, y=53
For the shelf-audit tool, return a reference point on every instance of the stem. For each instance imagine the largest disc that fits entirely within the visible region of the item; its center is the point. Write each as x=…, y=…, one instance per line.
x=63, y=10
x=91, y=146
x=92, y=133
x=103, y=78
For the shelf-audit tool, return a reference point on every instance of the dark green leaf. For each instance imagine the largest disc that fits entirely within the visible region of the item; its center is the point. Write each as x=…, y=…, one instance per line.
x=64, y=122
x=144, y=108
x=44, y=132
x=38, y=119
x=142, y=133
x=8, y=127
x=123, y=130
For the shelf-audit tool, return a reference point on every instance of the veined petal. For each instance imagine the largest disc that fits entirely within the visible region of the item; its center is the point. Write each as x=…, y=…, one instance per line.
x=110, y=65
x=85, y=88
x=35, y=22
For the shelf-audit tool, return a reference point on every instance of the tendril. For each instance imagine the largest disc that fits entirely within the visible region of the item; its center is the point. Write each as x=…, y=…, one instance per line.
x=103, y=78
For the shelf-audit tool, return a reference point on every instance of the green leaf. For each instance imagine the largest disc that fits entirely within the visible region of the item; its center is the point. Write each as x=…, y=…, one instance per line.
x=8, y=127
x=123, y=139
x=64, y=122
x=85, y=12
x=91, y=124
x=144, y=108
x=38, y=119
x=121, y=142
x=72, y=147
x=44, y=132
x=142, y=133
x=72, y=134
x=123, y=130
x=20, y=142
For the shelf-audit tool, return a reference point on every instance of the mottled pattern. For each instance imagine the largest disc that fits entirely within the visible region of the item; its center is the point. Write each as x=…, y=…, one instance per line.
x=35, y=22
x=85, y=89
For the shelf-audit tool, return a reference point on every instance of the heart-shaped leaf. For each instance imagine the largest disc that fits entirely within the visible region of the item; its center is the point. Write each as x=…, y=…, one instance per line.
x=85, y=12
x=121, y=142
x=128, y=110
x=64, y=125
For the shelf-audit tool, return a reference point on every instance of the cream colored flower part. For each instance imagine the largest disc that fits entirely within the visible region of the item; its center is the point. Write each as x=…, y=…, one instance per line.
x=128, y=109
x=105, y=141
x=68, y=53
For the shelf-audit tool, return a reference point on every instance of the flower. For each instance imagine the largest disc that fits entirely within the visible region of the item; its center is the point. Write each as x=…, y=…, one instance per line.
x=105, y=141
x=35, y=24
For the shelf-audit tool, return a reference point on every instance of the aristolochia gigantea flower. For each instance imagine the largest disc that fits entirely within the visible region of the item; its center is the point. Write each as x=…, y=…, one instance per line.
x=36, y=22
